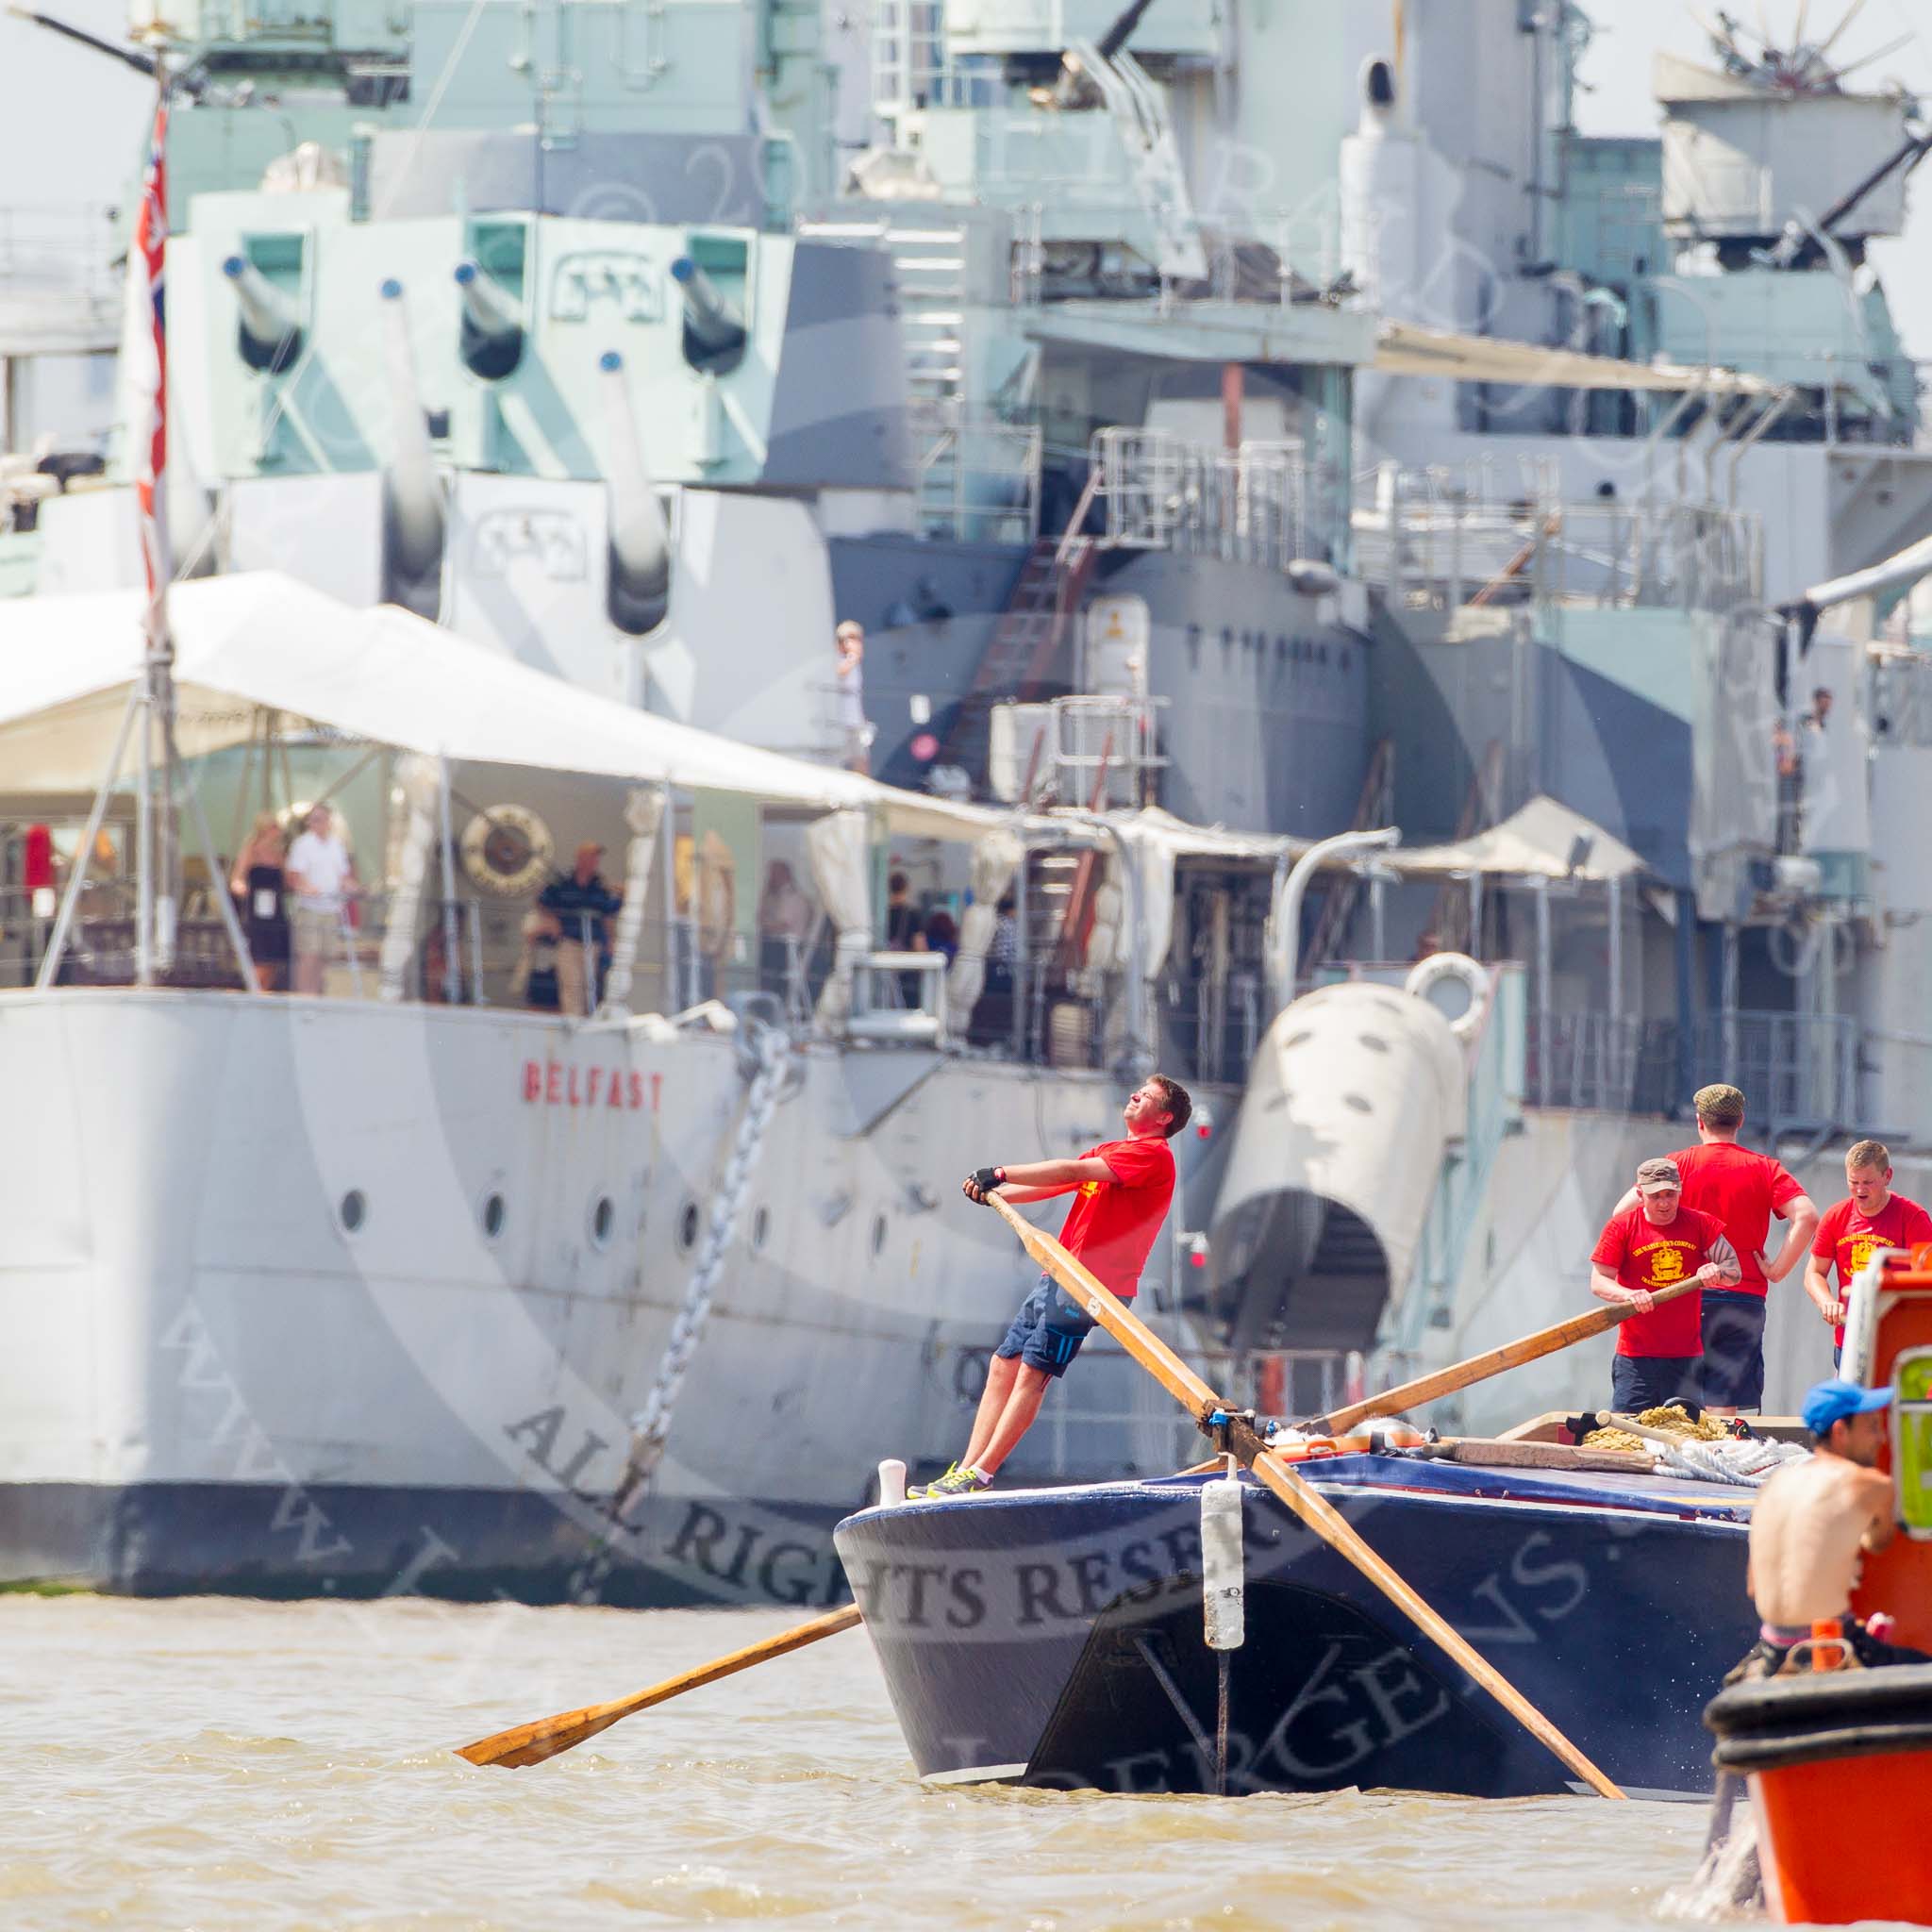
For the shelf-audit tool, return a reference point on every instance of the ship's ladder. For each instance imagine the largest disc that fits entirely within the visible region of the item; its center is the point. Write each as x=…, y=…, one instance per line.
x=1045, y=599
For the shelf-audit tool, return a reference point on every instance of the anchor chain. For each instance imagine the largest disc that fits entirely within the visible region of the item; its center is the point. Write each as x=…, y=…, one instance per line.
x=651, y=1425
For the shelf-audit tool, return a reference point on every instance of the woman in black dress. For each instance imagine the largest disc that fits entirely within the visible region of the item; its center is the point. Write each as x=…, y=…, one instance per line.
x=257, y=884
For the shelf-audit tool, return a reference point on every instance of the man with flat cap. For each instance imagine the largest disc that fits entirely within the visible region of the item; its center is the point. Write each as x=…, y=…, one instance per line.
x=1745, y=1190
x=1655, y=1245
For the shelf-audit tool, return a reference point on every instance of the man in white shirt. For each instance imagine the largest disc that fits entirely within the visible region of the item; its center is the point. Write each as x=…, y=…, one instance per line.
x=849, y=703
x=317, y=870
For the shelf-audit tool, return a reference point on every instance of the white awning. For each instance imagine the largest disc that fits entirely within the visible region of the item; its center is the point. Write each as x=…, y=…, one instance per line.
x=1403, y=349
x=382, y=676
x=1539, y=841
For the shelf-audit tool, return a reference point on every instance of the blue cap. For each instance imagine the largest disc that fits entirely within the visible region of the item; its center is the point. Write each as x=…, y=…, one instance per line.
x=1832, y=1402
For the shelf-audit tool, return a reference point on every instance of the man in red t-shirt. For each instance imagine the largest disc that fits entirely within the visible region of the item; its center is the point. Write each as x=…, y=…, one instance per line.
x=1657, y=1244
x=1873, y=1218
x=1123, y=1191
x=1743, y=1190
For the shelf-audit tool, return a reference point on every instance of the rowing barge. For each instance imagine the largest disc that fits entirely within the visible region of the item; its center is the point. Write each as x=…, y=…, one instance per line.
x=1056, y=1636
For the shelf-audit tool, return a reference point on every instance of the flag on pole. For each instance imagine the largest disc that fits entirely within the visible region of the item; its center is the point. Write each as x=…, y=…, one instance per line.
x=149, y=262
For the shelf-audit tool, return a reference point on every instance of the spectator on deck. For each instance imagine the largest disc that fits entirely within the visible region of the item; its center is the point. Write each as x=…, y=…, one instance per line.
x=942, y=936
x=321, y=874
x=849, y=706
x=580, y=902
x=784, y=919
x=902, y=916
x=1003, y=950
x=256, y=883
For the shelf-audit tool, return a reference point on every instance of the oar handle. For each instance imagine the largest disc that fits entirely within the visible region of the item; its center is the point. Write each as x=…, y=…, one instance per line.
x=1479, y=1368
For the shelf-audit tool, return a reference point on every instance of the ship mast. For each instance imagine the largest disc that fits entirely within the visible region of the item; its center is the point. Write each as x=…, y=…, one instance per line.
x=156, y=840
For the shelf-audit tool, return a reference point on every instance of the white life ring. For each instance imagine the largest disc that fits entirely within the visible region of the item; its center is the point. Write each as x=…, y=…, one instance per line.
x=507, y=850
x=1426, y=974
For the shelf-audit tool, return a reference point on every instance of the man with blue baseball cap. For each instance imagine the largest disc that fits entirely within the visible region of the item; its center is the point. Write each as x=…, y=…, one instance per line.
x=1815, y=1520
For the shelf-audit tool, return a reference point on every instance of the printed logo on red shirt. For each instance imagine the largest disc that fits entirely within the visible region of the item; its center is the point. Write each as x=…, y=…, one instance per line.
x=1849, y=1239
x=1111, y=1226
x=1643, y=1256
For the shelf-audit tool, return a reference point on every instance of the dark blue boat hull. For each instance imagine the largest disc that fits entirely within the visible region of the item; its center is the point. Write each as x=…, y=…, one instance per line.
x=1055, y=1637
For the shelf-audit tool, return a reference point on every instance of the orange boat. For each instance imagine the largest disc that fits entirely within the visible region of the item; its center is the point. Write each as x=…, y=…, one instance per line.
x=1838, y=1746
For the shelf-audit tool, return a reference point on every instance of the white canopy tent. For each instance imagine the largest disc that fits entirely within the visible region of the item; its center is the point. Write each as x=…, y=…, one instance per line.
x=1545, y=839
x=261, y=640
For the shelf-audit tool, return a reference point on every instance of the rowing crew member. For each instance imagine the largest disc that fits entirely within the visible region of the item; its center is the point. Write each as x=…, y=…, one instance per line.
x=1871, y=1219
x=1811, y=1525
x=1745, y=1190
x=1655, y=1245
x=1123, y=1187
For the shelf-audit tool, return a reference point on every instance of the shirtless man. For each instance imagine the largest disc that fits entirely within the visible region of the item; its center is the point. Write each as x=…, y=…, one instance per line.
x=1814, y=1520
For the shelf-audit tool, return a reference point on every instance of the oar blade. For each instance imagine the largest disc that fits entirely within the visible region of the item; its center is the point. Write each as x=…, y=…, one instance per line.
x=533, y=1742
x=547, y=1737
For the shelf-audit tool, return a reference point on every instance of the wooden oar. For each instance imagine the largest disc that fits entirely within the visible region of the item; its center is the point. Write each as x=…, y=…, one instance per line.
x=532, y=1743
x=1247, y=1447
x=1479, y=1368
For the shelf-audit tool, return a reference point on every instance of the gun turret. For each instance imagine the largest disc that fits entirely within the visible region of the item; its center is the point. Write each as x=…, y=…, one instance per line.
x=493, y=332
x=415, y=520
x=141, y=61
x=714, y=328
x=640, y=544
x=270, y=335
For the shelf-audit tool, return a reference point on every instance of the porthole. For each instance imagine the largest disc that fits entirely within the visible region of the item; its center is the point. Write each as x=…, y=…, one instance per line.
x=878, y=1236
x=1300, y=1038
x=1374, y=1042
x=352, y=1211
x=688, y=1227
x=602, y=1219
x=495, y=1213
x=1355, y=1101
x=760, y=1230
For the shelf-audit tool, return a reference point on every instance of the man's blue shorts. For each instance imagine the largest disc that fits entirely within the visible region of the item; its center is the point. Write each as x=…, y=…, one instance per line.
x=1047, y=1332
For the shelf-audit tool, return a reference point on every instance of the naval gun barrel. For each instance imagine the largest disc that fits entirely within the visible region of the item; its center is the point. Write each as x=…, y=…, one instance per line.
x=714, y=328
x=640, y=544
x=493, y=339
x=271, y=322
x=415, y=498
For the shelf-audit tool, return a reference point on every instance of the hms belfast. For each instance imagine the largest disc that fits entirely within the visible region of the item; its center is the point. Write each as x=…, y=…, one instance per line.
x=1240, y=432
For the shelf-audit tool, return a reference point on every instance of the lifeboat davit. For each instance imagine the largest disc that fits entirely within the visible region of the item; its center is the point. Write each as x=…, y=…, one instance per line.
x=1822, y=1750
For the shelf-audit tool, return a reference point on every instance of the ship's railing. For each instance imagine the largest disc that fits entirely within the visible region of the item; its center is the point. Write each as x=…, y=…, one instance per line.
x=978, y=477
x=1087, y=751
x=1598, y=1063
x=1443, y=552
x=1211, y=1030
x=65, y=249
x=1250, y=504
x=1902, y=698
x=1800, y=1069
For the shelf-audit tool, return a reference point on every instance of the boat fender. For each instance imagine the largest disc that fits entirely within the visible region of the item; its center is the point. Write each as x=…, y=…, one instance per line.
x=1776, y=1723
x=1224, y=1576
x=1427, y=974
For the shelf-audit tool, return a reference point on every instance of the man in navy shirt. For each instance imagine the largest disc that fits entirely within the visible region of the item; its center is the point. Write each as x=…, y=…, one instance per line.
x=580, y=904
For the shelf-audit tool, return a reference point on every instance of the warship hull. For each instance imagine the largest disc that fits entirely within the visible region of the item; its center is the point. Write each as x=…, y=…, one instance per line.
x=351, y=1299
